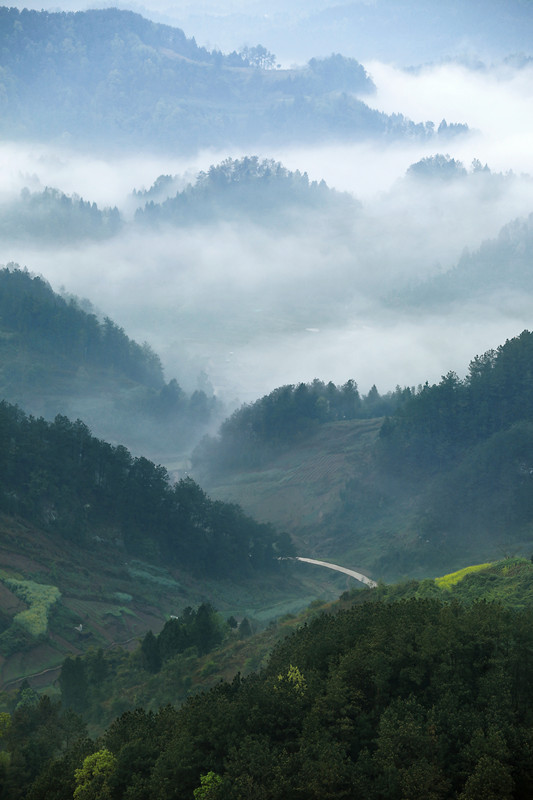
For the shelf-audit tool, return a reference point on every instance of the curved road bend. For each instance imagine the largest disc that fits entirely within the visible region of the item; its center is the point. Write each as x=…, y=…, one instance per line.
x=350, y=572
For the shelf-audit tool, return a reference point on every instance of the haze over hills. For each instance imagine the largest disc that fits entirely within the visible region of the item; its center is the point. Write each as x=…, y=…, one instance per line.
x=331, y=242
x=116, y=79
x=58, y=358
x=235, y=297
x=408, y=32
x=233, y=309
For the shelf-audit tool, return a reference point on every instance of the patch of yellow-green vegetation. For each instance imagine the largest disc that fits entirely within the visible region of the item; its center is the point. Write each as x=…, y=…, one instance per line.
x=39, y=596
x=447, y=581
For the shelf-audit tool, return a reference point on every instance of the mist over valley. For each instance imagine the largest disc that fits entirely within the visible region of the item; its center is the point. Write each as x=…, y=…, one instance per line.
x=266, y=301
x=256, y=296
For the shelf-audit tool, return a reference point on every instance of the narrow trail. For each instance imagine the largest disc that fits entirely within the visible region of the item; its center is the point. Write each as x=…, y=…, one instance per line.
x=357, y=575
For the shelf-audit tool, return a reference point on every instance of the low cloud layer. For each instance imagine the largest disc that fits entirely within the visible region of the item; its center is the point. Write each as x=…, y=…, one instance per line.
x=256, y=308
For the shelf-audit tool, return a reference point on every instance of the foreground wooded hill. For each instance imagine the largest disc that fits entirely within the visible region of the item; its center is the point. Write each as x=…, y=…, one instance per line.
x=421, y=697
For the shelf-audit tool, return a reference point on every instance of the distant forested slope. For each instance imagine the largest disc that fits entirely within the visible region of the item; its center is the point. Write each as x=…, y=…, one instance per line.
x=56, y=357
x=440, y=422
x=470, y=442
x=114, y=78
x=260, y=191
x=500, y=266
x=31, y=310
x=448, y=478
x=53, y=217
x=462, y=448
x=263, y=191
x=288, y=415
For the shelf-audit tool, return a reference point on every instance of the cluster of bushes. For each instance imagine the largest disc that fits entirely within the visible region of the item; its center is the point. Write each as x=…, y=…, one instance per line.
x=40, y=598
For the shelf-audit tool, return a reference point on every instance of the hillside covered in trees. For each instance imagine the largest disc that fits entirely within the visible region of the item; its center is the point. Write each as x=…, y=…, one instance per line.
x=262, y=191
x=52, y=216
x=112, y=76
x=441, y=474
x=97, y=546
x=60, y=357
x=421, y=697
x=60, y=476
x=500, y=266
x=257, y=431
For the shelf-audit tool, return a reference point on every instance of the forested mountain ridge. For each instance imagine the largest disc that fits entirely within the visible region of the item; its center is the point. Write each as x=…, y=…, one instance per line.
x=56, y=357
x=113, y=77
x=262, y=191
x=51, y=216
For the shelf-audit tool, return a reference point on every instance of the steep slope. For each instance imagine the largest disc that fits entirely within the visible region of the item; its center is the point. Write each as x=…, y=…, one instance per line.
x=499, y=269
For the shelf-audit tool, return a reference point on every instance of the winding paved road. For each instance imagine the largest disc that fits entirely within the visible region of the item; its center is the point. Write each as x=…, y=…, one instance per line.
x=357, y=575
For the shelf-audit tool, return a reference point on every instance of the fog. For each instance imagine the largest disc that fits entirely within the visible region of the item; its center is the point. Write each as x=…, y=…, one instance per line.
x=256, y=308
x=404, y=31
